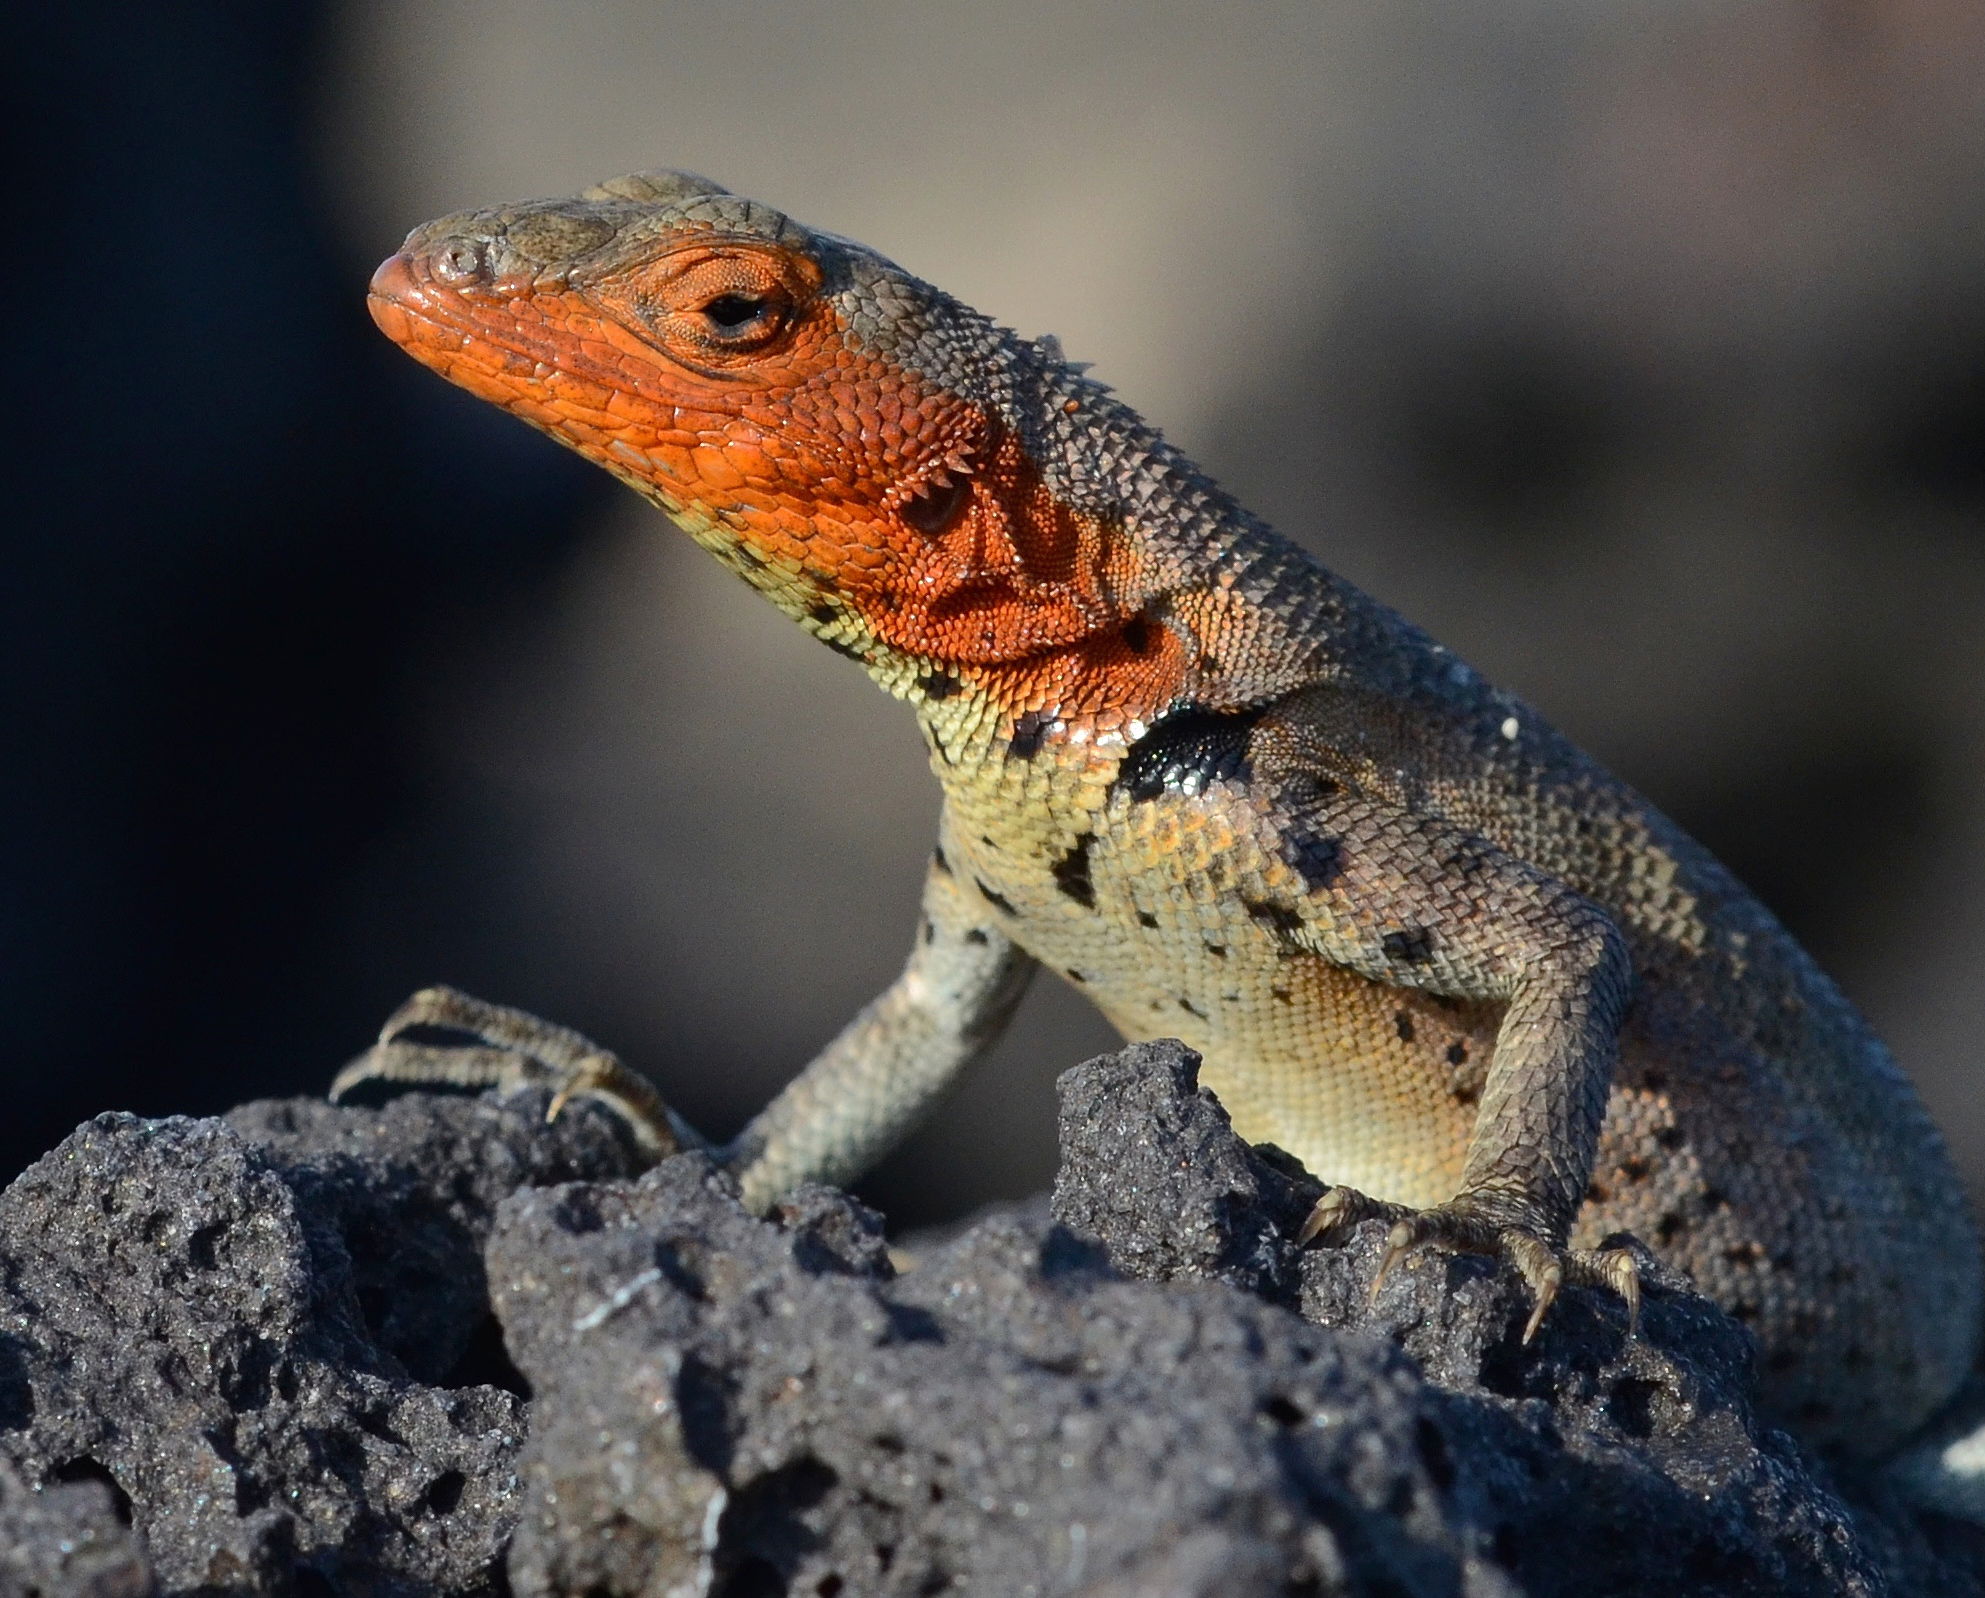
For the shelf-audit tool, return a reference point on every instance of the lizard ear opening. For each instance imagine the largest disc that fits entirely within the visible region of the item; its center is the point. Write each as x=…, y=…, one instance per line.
x=1139, y=634
x=937, y=502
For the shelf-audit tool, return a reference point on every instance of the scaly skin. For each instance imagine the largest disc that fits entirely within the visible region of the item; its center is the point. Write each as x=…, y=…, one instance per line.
x=1422, y=942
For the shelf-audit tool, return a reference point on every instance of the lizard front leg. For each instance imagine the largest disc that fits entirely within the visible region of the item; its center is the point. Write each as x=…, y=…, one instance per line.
x=855, y=1100
x=1413, y=901
x=867, y=1088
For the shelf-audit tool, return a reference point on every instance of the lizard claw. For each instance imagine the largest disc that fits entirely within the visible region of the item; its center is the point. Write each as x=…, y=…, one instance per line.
x=1540, y=1268
x=1399, y=1242
x=1338, y=1212
x=1544, y=1267
x=1615, y=1268
x=512, y=1049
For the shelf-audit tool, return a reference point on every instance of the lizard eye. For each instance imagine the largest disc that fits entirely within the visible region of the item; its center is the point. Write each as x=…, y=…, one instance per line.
x=730, y=303
x=741, y=319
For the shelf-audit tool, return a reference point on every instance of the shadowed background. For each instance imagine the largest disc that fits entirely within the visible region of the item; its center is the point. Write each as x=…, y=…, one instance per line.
x=1636, y=351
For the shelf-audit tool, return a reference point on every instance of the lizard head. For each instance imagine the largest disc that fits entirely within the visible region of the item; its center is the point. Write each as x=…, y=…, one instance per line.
x=880, y=460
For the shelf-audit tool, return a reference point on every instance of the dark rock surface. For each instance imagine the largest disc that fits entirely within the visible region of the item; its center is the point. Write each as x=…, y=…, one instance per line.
x=441, y=1348
x=246, y=1331
x=67, y=1539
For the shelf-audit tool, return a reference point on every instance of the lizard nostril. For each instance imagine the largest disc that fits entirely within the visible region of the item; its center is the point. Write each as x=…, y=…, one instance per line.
x=458, y=261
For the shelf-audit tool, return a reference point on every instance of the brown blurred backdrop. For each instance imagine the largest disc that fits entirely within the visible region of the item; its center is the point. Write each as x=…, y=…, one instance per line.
x=1638, y=351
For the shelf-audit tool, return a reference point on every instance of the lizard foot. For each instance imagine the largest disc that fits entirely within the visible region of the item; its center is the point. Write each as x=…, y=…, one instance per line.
x=512, y=1049
x=1471, y=1228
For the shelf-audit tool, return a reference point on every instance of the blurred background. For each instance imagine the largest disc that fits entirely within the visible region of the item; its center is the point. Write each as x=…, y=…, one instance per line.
x=1636, y=350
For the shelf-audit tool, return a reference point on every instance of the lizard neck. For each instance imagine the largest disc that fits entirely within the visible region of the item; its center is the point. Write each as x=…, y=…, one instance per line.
x=1251, y=625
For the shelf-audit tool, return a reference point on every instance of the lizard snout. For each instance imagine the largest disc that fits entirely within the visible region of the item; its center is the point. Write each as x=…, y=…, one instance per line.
x=388, y=294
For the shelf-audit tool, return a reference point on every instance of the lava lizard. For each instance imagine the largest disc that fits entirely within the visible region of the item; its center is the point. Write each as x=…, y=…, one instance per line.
x=1422, y=942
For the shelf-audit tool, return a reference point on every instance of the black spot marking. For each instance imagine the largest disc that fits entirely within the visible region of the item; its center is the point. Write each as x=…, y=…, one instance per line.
x=1185, y=752
x=929, y=933
x=1281, y=995
x=1457, y=1052
x=1277, y=918
x=823, y=613
x=996, y=899
x=1402, y=1023
x=1190, y=1008
x=1138, y=635
x=1464, y=1092
x=1217, y=950
x=938, y=686
x=1668, y=1137
x=1634, y=1168
x=1671, y=1226
x=1715, y=1198
x=1146, y=919
x=1075, y=976
x=1030, y=731
x=1283, y=1411
x=842, y=647
x=1597, y=1192
x=937, y=859
x=1071, y=872
x=746, y=557
x=1318, y=860
x=1654, y=1081
x=976, y=935
x=1751, y=1254
x=1408, y=946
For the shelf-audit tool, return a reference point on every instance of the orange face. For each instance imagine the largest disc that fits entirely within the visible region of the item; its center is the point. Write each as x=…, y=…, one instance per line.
x=718, y=372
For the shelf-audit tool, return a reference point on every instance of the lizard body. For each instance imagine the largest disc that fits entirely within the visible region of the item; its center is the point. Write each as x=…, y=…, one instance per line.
x=1422, y=942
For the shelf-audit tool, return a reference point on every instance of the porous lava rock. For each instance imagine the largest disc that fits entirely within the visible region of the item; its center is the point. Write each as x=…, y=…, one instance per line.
x=441, y=1347
x=257, y=1337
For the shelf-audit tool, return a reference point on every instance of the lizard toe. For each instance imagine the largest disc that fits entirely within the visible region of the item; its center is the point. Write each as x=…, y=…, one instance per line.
x=1461, y=1227
x=1546, y=1269
x=1338, y=1213
x=506, y=1050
